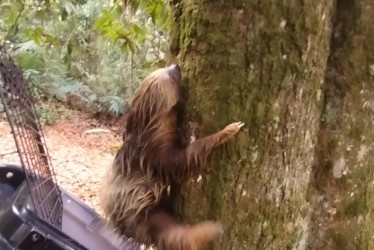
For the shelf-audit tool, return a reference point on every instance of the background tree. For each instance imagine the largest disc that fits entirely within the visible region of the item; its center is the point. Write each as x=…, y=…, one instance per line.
x=342, y=216
x=300, y=75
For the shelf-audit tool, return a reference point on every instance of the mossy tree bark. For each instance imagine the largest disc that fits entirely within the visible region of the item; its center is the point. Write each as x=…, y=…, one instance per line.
x=342, y=191
x=276, y=66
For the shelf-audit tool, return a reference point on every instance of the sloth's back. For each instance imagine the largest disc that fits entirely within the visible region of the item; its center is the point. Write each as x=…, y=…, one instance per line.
x=127, y=196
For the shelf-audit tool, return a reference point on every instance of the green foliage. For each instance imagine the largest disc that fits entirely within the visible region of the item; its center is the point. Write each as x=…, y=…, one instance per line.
x=158, y=10
x=30, y=61
x=111, y=25
x=47, y=115
x=125, y=23
x=33, y=78
x=115, y=104
x=41, y=37
x=96, y=46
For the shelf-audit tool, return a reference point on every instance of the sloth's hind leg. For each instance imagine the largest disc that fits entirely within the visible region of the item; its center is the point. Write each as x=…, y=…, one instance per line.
x=168, y=234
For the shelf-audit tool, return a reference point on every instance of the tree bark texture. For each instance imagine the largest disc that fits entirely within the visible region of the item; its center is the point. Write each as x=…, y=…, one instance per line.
x=298, y=74
x=342, y=191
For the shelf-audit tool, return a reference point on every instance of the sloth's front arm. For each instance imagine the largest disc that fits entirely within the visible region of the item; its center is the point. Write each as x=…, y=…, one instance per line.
x=182, y=163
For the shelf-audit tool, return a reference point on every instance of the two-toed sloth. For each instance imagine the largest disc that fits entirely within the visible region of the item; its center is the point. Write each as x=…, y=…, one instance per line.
x=152, y=156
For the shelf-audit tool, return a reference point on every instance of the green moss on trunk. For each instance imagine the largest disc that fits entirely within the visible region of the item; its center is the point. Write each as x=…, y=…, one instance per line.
x=343, y=177
x=263, y=63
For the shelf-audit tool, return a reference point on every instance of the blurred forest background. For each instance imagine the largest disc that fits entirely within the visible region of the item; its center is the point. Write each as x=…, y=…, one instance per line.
x=89, y=54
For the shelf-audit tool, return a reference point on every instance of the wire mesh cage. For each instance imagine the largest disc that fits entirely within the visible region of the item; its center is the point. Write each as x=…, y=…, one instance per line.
x=30, y=142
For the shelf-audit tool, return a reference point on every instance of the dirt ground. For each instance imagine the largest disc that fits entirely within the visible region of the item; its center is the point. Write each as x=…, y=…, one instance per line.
x=79, y=158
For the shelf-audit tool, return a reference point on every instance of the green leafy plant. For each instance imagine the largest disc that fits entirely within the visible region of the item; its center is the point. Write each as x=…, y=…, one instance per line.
x=105, y=46
x=47, y=115
x=115, y=104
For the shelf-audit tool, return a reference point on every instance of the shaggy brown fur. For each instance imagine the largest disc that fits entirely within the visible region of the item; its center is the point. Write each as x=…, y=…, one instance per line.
x=134, y=196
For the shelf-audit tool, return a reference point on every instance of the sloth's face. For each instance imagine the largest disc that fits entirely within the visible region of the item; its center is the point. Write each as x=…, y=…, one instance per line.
x=174, y=73
x=159, y=99
x=176, y=80
x=166, y=84
x=160, y=92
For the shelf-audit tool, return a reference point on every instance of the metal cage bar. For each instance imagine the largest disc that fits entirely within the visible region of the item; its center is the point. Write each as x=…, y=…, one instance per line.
x=30, y=142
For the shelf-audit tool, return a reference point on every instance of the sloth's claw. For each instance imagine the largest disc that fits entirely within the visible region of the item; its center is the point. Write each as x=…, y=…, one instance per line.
x=233, y=128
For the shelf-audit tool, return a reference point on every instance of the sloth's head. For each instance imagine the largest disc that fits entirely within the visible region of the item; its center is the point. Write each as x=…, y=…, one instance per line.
x=159, y=97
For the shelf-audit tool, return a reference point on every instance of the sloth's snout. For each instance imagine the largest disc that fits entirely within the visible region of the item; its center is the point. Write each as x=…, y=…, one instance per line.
x=175, y=72
x=174, y=67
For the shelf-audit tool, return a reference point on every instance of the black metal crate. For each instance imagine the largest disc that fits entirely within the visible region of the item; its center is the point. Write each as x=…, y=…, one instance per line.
x=30, y=143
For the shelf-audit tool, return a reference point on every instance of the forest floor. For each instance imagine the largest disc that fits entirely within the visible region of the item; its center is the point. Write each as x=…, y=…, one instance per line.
x=79, y=153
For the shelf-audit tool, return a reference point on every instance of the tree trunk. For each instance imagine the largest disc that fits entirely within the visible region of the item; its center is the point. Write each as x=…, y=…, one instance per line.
x=268, y=64
x=342, y=192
